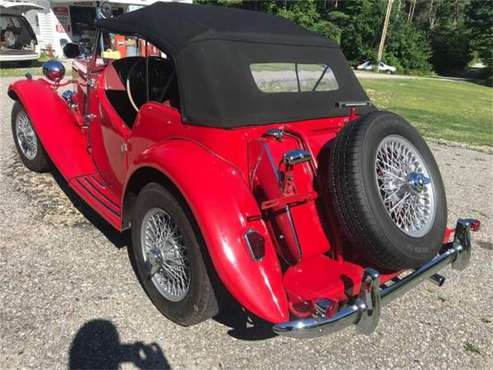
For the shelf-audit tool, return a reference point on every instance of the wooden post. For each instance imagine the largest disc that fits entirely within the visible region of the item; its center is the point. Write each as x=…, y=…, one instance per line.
x=384, y=31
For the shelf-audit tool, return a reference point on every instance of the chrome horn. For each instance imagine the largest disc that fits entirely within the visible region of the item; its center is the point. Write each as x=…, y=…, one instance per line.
x=54, y=70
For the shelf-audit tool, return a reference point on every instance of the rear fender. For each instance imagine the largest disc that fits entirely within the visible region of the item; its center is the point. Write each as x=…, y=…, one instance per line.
x=224, y=209
x=56, y=126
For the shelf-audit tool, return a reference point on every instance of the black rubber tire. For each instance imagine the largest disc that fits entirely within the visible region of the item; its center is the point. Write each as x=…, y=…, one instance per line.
x=357, y=201
x=200, y=303
x=40, y=163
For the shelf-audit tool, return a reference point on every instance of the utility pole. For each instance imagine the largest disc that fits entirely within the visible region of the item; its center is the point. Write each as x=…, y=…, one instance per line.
x=384, y=31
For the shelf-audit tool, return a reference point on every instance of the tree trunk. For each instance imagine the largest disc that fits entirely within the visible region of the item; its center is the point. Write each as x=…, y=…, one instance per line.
x=431, y=16
x=411, y=11
x=456, y=13
x=384, y=31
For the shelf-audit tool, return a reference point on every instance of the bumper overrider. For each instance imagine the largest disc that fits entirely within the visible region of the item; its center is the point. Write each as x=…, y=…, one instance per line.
x=364, y=312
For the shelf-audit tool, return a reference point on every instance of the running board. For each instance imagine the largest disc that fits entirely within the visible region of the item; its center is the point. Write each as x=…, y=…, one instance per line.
x=94, y=192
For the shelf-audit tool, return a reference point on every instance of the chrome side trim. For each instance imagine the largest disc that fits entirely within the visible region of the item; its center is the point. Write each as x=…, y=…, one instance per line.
x=272, y=163
x=295, y=233
x=365, y=310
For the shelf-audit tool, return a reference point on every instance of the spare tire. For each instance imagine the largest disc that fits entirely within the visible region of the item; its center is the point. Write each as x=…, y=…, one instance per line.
x=387, y=191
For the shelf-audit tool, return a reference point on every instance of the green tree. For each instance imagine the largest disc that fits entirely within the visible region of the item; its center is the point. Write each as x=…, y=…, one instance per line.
x=450, y=49
x=448, y=36
x=407, y=47
x=479, y=22
x=362, y=28
x=307, y=14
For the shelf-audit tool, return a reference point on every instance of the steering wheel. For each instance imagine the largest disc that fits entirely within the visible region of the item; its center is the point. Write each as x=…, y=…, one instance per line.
x=137, y=73
x=140, y=77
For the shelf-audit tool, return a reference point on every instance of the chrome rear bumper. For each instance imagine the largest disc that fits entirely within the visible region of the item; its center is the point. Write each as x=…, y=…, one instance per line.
x=364, y=312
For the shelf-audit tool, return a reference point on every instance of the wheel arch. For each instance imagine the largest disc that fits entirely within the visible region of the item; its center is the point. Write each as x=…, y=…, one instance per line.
x=140, y=178
x=204, y=182
x=51, y=119
x=12, y=95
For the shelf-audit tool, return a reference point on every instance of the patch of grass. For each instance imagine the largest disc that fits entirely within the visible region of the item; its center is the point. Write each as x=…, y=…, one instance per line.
x=454, y=111
x=14, y=69
x=468, y=347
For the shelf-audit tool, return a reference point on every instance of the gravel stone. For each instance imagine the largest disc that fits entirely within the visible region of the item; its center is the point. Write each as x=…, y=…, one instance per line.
x=69, y=297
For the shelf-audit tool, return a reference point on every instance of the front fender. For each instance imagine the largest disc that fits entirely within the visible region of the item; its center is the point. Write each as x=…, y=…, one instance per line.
x=55, y=125
x=224, y=209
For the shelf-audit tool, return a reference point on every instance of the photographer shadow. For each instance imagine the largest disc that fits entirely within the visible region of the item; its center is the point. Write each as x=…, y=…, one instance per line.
x=97, y=346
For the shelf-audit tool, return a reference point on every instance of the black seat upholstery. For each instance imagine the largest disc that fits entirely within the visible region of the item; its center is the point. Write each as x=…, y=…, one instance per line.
x=160, y=72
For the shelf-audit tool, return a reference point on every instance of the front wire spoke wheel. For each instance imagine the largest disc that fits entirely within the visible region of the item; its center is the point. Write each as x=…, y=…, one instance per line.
x=405, y=186
x=26, y=138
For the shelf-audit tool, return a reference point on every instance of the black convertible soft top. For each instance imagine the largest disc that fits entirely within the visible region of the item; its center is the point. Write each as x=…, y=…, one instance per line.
x=214, y=49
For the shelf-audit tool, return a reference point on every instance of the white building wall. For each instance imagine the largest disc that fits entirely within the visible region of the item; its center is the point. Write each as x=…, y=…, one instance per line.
x=50, y=31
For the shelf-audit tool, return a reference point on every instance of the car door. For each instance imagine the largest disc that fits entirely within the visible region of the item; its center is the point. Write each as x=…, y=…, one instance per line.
x=108, y=136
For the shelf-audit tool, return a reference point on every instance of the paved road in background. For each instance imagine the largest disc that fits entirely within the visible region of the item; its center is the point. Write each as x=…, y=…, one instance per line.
x=385, y=76
x=69, y=296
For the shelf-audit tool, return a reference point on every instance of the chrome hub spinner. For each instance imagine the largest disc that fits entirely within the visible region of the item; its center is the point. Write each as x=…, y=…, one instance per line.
x=417, y=181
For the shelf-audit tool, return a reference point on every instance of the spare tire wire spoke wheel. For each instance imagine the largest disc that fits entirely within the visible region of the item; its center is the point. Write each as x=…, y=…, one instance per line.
x=387, y=192
x=406, y=188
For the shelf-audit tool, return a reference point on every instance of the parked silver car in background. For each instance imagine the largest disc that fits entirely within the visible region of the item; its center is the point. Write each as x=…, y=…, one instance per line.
x=381, y=67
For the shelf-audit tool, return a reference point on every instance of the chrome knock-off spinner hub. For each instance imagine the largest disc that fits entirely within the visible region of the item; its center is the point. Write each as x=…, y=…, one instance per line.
x=165, y=255
x=417, y=181
x=405, y=186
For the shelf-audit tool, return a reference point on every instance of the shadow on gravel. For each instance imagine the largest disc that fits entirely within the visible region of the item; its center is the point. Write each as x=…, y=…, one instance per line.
x=243, y=325
x=97, y=346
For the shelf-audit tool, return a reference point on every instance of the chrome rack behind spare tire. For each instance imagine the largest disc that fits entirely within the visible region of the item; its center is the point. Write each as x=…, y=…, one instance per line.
x=364, y=311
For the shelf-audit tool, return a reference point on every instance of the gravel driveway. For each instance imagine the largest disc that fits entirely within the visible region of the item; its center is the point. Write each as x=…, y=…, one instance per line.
x=69, y=297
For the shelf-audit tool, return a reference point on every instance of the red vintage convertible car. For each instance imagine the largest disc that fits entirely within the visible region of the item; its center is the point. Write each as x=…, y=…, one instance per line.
x=246, y=155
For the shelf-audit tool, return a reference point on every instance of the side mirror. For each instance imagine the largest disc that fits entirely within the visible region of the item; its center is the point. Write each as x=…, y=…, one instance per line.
x=71, y=50
x=54, y=70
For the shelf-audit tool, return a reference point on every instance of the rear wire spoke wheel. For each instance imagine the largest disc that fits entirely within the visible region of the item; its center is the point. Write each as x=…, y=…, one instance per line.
x=170, y=258
x=27, y=142
x=165, y=255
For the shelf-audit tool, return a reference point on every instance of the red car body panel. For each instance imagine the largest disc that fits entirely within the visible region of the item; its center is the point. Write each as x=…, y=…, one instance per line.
x=225, y=175
x=53, y=120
